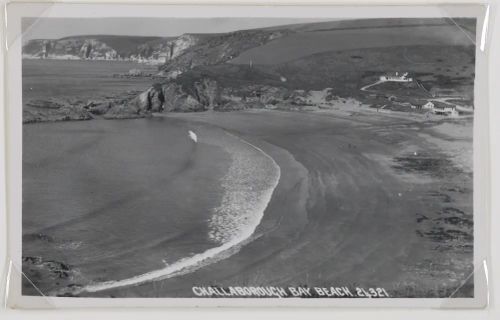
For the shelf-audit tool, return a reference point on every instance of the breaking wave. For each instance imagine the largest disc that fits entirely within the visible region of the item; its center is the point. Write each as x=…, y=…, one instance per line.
x=248, y=187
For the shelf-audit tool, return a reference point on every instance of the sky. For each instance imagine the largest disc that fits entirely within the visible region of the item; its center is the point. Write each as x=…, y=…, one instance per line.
x=55, y=28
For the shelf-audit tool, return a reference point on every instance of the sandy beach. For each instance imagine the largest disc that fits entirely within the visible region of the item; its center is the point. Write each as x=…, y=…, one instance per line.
x=352, y=190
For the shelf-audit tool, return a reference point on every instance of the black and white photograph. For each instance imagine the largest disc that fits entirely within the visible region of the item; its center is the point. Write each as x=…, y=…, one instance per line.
x=248, y=157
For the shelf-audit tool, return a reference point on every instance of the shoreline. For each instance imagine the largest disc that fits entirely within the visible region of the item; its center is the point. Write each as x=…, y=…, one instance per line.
x=86, y=231
x=299, y=218
x=189, y=264
x=336, y=111
x=298, y=222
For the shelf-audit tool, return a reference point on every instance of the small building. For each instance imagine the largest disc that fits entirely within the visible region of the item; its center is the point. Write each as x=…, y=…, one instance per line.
x=444, y=109
x=428, y=106
x=396, y=77
x=418, y=104
x=163, y=57
x=110, y=55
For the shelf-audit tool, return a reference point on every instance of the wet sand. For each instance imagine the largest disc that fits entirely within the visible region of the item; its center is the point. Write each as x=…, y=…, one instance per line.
x=346, y=211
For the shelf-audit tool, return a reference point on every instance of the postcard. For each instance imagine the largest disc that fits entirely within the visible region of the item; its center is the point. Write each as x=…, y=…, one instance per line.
x=166, y=155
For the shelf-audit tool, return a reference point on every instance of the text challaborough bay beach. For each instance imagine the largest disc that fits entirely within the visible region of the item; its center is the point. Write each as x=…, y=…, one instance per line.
x=290, y=292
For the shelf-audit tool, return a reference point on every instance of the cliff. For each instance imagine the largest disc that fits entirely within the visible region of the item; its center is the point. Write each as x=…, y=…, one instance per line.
x=98, y=47
x=109, y=47
x=190, y=51
x=201, y=91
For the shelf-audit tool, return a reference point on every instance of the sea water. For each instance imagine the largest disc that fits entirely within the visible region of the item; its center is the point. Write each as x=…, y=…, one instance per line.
x=130, y=201
x=248, y=184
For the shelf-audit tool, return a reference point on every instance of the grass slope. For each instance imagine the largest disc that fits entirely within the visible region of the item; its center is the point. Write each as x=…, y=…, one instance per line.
x=438, y=68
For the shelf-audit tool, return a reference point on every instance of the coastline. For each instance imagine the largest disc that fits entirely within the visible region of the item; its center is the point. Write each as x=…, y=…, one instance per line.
x=317, y=159
x=241, y=212
x=286, y=221
x=289, y=196
x=319, y=206
x=234, y=221
x=139, y=177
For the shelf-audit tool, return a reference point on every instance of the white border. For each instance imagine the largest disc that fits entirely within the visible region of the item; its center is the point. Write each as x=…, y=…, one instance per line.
x=14, y=138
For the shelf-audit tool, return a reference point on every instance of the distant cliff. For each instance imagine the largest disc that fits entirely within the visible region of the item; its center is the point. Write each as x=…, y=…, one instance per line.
x=106, y=47
x=99, y=47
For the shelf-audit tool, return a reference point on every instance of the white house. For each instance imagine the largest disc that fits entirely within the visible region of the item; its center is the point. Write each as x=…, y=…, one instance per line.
x=447, y=111
x=396, y=77
x=444, y=109
x=428, y=105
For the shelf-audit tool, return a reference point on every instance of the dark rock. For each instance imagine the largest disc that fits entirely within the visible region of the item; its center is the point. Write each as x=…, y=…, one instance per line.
x=63, y=113
x=37, y=236
x=98, y=108
x=45, y=104
x=32, y=260
x=232, y=105
x=124, y=111
x=151, y=100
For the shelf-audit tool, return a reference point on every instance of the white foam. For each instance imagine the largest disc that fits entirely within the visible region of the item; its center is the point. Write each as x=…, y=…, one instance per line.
x=248, y=188
x=247, y=181
x=193, y=136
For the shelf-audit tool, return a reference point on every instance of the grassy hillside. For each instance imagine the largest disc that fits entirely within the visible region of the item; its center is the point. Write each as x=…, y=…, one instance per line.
x=438, y=68
x=466, y=23
x=220, y=48
x=358, y=34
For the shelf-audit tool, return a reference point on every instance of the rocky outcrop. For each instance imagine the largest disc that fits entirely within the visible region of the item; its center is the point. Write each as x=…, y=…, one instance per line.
x=151, y=100
x=63, y=113
x=180, y=101
x=187, y=93
x=125, y=111
x=98, y=107
x=199, y=96
x=190, y=94
x=176, y=96
x=63, y=109
x=51, y=275
x=180, y=44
